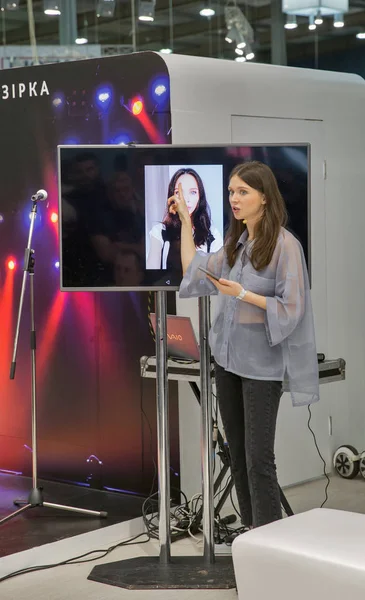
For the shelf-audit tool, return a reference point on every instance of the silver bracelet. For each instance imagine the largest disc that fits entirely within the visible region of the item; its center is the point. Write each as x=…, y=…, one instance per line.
x=242, y=294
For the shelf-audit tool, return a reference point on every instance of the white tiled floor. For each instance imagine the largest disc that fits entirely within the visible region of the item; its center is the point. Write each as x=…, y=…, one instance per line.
x=71, y=582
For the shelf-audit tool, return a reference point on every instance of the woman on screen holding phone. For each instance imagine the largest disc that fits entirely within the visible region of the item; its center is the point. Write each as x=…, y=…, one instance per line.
x=263, y=334
x=165, y=237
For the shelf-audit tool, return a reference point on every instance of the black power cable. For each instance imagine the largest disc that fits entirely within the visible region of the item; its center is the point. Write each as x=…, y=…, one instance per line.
x=321, y=457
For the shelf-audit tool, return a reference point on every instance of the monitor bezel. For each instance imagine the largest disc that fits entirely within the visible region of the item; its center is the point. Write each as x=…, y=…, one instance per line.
x=132, y=146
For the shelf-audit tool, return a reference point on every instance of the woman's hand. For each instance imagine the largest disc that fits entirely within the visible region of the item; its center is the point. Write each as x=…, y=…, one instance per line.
x=177, y=205
x=225, y=286
x=233, y=288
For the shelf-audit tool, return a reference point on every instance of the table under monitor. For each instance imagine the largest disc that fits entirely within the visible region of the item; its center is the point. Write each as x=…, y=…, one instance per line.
x=178, y=370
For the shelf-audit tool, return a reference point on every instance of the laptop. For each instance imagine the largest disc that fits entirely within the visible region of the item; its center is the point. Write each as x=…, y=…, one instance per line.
x=181, y=340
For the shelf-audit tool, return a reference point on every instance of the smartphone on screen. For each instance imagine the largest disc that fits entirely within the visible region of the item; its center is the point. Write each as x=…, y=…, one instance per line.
x=212, y=275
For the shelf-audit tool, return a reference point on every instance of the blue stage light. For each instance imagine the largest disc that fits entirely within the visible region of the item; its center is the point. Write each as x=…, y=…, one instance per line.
x=104, y=96
x=160, y=90
x=57, y=264
x=120, y=139
x=71, y=141
x=58, y=100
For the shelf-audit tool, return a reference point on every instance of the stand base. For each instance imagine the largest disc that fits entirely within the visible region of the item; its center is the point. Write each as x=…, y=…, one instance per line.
x=183, y=572
x=35, y=500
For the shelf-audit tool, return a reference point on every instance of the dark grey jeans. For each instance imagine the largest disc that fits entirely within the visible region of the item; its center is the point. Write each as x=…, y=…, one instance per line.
x=249, y=409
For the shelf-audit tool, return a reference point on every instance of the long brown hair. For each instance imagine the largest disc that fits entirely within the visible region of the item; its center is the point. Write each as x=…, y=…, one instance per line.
x=201, y=219
x=260, y=177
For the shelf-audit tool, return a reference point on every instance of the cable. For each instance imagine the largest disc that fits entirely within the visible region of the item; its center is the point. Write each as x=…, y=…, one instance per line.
x=321, y=457
x=233, y=504
x=77, y=559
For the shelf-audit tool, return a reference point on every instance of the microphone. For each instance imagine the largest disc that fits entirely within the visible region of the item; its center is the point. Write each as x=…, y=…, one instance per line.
x=40, y=196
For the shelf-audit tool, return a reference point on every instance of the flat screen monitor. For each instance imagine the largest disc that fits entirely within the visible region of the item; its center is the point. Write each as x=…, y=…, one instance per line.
x=115, y=230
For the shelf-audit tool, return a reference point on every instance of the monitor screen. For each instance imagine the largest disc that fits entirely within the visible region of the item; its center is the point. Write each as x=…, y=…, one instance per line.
x=116, y=232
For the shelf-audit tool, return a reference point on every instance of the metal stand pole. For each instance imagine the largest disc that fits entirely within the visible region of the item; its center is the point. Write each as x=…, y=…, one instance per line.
x=206, y=431
x=35, y=498
x=176, y=572
x=163, y=429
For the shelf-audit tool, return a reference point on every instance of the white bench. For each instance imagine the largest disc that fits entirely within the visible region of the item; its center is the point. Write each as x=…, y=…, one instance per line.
x=311, y=556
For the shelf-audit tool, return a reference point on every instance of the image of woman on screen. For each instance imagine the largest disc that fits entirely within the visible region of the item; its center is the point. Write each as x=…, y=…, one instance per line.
x=165, y=237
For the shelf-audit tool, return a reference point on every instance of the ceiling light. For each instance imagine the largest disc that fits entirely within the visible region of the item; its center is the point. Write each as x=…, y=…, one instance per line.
x=166, y=51
x=81, y=40
x=318, y=20
x=360, y=35
x=51, y=8
x=105, y=8
x=312, y=26
x=338, y=20
x=291, y=22
x=9, y=4
x=207, y=12
x=146, y=11
x=249, y=53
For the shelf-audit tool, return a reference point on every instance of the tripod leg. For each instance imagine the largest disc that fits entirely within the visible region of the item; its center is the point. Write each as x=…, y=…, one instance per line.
x=82, y=511
x=16, y=513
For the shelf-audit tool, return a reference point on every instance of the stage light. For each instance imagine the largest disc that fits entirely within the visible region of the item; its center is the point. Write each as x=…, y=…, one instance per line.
x=81, y=40
x=104, y=96
x=137, y=107
x=11, y=264
x=51, y=8
x=54, y=217
x=250, y=56
x=57, y=264
x=166, y=51
x=58, y=100
x=240, y=59
x=239, y=51
x=160, y=89
x=318, y=18
x=360, y=36
x=1, y=219
x=120, y=138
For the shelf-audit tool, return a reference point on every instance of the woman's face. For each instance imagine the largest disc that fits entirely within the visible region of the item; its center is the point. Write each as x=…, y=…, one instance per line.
x=190, y=190
x=246, y=202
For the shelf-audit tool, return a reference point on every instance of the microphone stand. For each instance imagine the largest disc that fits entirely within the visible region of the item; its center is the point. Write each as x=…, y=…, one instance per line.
x=35, y=498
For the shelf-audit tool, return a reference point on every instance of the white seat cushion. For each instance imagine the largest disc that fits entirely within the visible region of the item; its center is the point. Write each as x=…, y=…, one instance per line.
x=310, y=556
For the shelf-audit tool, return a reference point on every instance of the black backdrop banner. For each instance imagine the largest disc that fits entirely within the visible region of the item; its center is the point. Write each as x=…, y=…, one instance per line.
x=91, y=397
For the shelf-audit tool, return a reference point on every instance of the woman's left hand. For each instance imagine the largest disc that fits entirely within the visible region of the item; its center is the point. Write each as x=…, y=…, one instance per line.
x=225, y=286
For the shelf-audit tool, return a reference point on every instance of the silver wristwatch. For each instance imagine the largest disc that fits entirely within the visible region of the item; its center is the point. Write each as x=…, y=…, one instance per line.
x=242, y=294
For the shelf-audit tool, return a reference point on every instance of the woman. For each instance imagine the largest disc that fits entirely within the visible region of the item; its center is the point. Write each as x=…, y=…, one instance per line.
x=262, y=335
x=165, y=237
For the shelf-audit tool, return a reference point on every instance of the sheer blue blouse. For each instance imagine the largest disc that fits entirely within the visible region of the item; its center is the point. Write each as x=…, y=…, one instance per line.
x=277, y=344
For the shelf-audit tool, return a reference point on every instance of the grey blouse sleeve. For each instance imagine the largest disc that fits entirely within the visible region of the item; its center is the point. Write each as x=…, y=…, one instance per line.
x=195, y=283
x=286, y=309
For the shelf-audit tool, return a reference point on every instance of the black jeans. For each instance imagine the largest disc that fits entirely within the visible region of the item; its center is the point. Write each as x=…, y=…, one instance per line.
x=249, y=409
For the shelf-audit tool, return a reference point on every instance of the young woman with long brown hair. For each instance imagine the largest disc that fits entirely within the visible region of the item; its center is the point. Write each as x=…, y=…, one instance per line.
x=262, y=336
